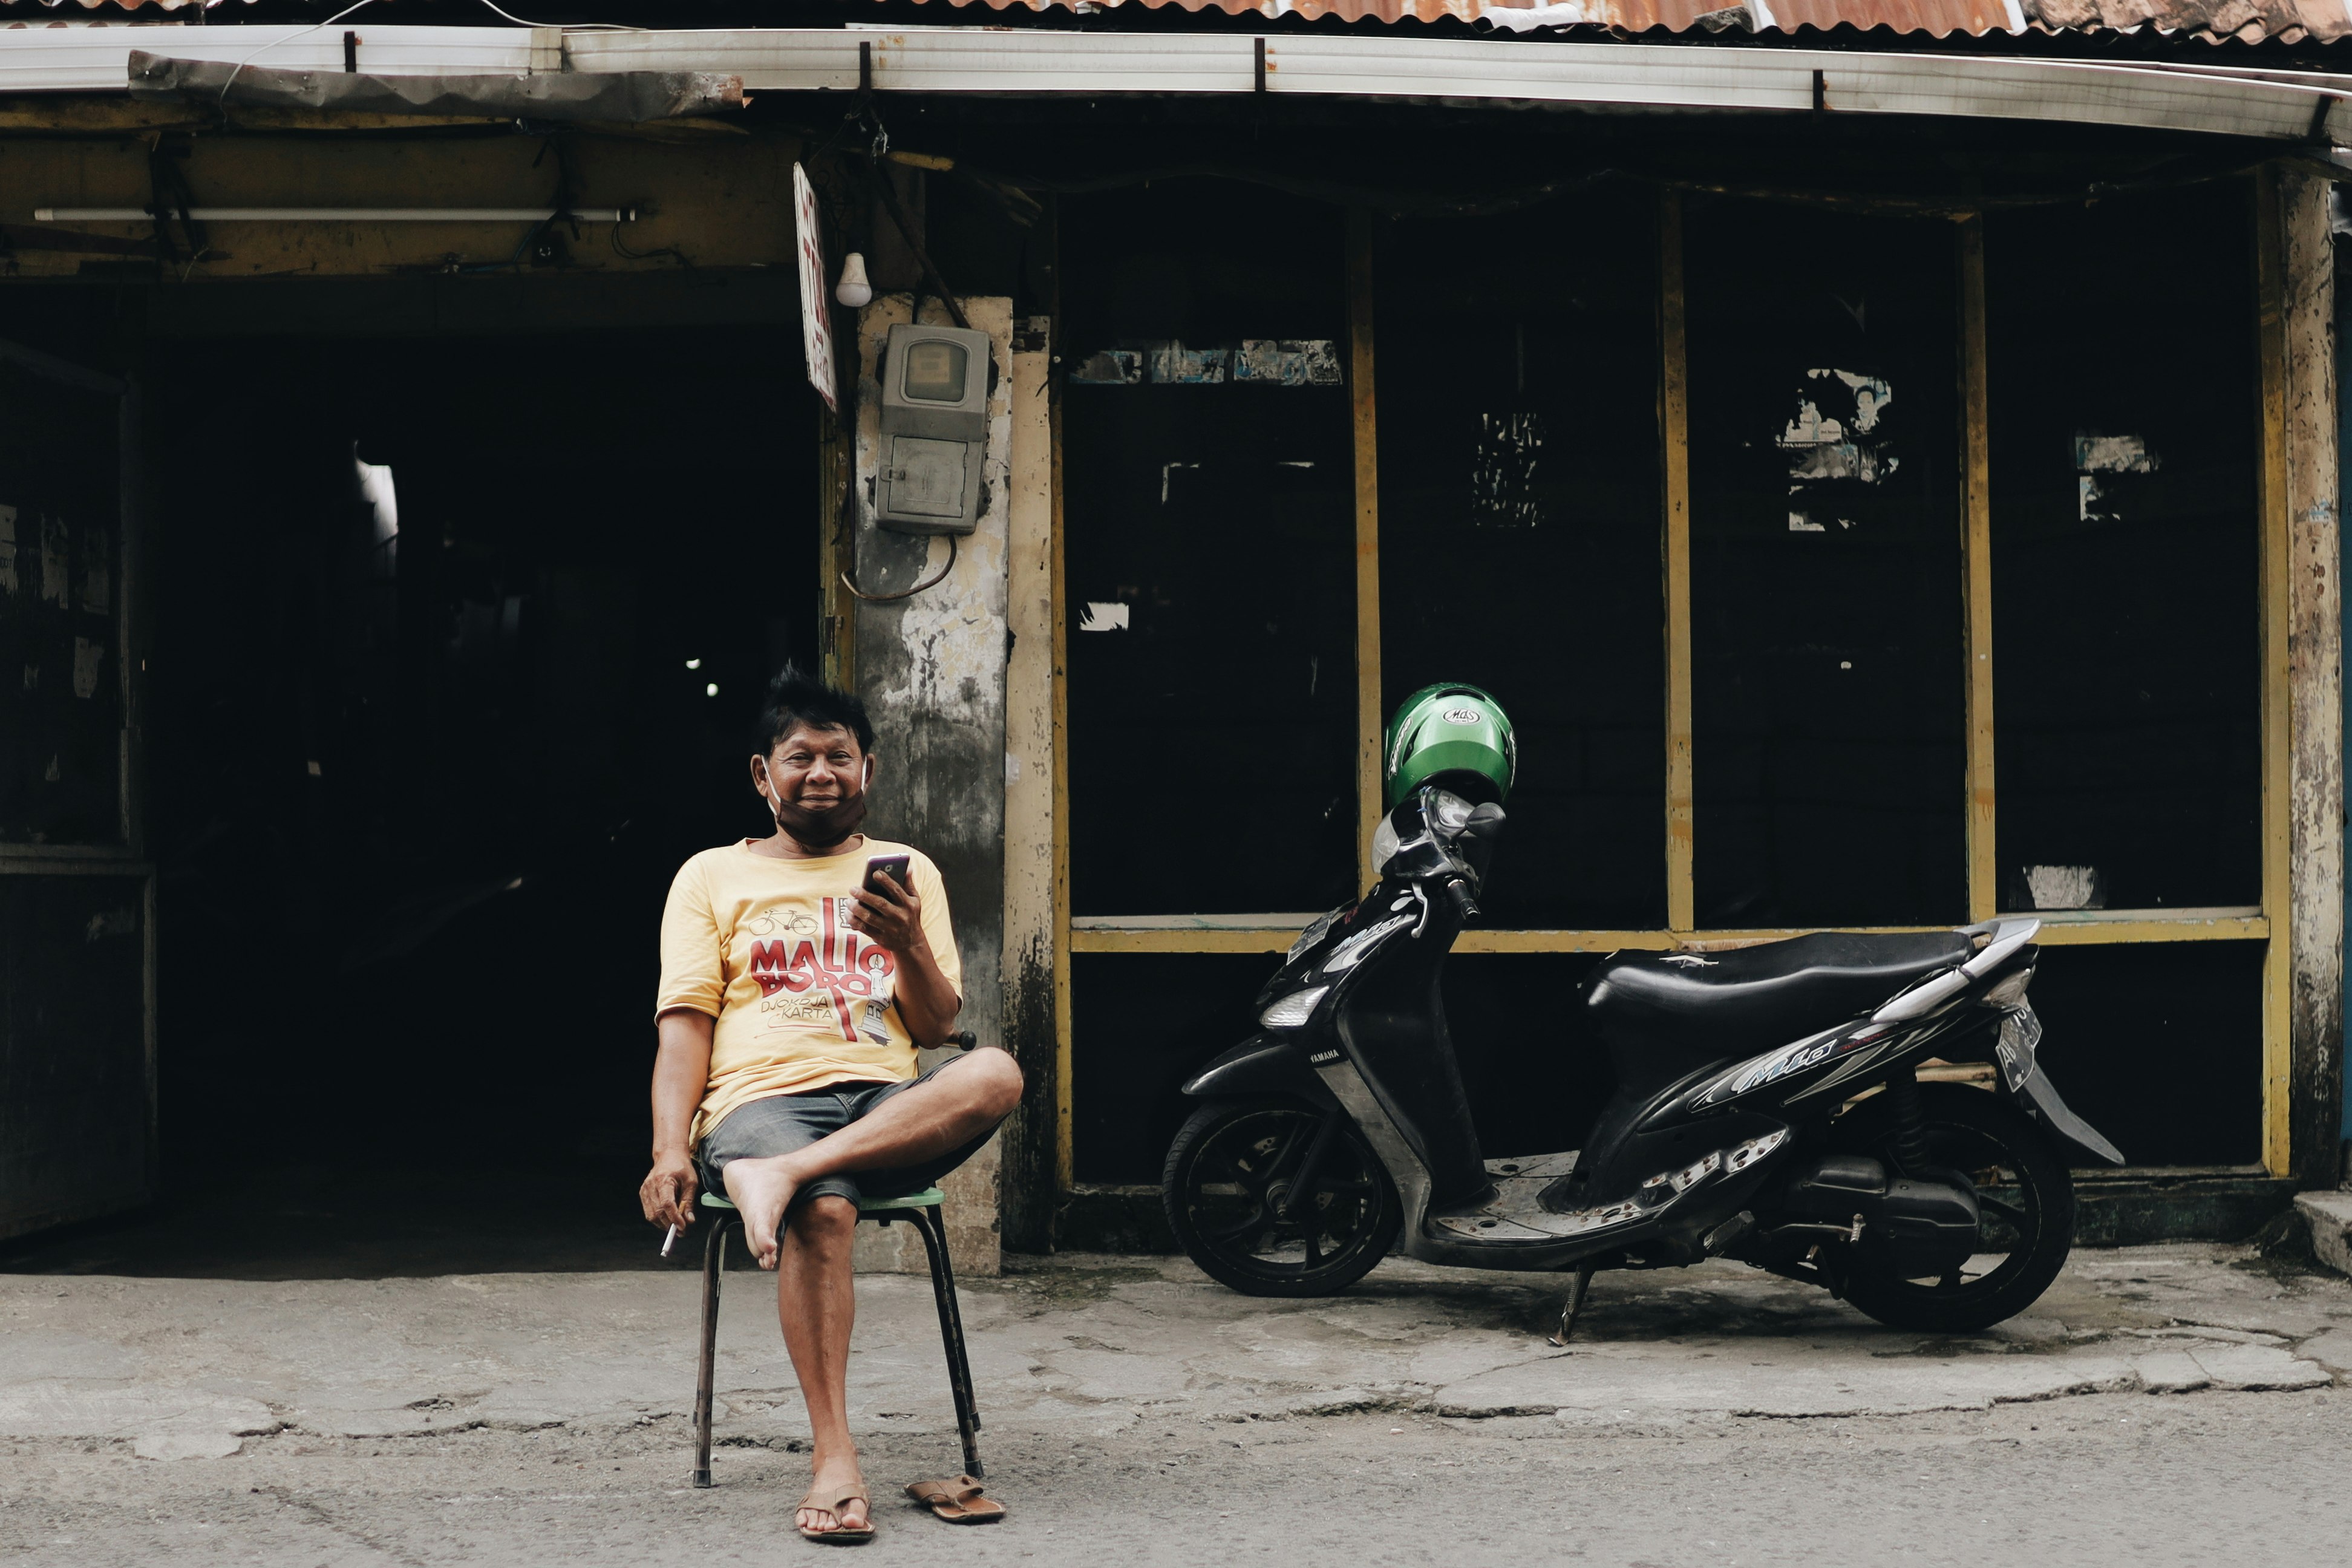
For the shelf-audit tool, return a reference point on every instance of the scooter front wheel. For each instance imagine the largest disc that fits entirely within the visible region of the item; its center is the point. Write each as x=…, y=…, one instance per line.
x=1231, y=1196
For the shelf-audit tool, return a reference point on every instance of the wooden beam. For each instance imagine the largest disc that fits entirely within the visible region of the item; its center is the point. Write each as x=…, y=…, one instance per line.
x=1171, y=940
x=1673, y=428
x=836, y=607
x=1976, y=557
x=2313, y=940
x=1065, y=1149
x=1032, y=1146
x=2274, y=599
x=1368, y=540
x=2091, y=928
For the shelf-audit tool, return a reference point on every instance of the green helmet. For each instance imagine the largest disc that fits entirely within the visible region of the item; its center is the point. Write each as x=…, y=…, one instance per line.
x=1454, y=736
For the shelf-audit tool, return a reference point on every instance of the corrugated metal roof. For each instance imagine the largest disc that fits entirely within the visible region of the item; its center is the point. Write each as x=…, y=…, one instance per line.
x=1938, y=17
x=2248, y=21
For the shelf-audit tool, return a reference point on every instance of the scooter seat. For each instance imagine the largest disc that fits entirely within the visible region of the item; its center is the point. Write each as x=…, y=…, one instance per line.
x=1662, y=1015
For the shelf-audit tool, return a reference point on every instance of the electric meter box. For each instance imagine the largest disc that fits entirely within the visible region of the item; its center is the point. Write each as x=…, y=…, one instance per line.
x=934, y=429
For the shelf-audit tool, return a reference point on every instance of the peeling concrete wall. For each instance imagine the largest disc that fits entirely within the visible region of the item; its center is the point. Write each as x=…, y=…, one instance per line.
x=932, y=670
x=2316, y=663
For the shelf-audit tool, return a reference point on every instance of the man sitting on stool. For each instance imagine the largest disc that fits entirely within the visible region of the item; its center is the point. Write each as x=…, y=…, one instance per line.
x=792, y=1001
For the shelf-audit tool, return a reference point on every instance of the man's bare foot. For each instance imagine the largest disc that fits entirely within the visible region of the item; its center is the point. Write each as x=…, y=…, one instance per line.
x=761, y=1190
x=835, y=1480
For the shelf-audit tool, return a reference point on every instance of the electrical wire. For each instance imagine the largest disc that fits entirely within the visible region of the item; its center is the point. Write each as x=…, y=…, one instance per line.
x=887, y=598
x=290, y=37
x=569, y=27
x=672, y=251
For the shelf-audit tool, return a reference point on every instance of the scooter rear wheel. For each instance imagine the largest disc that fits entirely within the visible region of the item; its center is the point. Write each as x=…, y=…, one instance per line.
x=2024, y=1190
x=1228, y=1175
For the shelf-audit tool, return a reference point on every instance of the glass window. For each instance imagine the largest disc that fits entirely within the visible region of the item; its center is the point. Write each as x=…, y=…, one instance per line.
x=1148, y=1022
x=935, y=372
x=1208, y=501
x=2158, y=1046
x=1537, y=1073
x=1518, y=371
x=1828, y=660
x=62, y=715
x=2125, y=669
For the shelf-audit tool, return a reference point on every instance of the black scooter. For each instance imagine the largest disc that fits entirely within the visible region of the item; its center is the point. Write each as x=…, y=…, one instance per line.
x=1767, y=1109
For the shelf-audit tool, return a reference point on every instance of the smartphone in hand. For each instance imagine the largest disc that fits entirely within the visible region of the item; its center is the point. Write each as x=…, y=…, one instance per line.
x=892, y=866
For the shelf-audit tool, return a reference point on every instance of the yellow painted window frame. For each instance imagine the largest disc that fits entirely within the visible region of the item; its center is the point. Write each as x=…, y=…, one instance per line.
x=2265, y=923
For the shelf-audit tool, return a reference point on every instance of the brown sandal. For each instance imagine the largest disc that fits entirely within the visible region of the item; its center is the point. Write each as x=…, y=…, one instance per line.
x=956, y=1499
x=839, y=1536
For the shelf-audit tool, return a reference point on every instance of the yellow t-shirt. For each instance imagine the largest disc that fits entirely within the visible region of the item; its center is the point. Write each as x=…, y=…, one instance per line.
x=763, y=946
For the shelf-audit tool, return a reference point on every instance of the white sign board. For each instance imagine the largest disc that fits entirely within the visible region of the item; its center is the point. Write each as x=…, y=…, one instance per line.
x=816, y=331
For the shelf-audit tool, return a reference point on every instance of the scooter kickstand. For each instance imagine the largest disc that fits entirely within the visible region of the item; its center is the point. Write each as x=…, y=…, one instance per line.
x=1574, y=1305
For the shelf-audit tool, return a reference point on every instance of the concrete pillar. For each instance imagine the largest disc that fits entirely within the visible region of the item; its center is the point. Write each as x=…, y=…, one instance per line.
x=932, y=670
x=2315, y=665
x=1033, y=1136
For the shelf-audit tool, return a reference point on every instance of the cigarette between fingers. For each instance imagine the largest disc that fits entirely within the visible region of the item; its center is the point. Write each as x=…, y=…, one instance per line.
x=669, y=1241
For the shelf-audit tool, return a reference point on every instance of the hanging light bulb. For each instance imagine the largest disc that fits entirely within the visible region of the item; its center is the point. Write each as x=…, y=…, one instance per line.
x=853, y=290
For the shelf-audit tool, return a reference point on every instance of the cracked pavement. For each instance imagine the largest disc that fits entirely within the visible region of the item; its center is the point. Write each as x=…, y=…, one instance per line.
x=125, y=1403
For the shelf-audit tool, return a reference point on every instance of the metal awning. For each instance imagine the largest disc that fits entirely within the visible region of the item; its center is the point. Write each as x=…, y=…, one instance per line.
x=634, y=96
x=1540, y=72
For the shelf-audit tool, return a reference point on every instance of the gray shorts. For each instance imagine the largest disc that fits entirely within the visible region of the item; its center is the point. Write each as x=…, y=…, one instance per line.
x=760, y=1129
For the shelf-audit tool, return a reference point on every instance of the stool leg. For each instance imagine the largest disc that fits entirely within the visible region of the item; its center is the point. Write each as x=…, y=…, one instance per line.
x=714, y=1264
x=935, y=1243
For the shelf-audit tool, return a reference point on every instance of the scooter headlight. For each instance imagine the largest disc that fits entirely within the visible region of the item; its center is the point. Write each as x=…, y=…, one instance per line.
x=1294, y=1009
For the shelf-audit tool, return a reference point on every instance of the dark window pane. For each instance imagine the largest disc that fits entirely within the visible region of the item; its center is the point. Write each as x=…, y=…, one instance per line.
x=1519, y=531
x=1211, y=554
x=1825, y=568
x=61, y=615
x=1144, y=1022
x=2158, y=1046
x=1141, y=1024
x=1536, y=1074
x=2124, y=451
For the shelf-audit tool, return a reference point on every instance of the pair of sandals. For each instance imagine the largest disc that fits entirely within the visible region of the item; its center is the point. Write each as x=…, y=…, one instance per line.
x=957, y=1500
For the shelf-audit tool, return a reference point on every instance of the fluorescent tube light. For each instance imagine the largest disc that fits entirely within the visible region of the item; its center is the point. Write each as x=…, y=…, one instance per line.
x=340, y=215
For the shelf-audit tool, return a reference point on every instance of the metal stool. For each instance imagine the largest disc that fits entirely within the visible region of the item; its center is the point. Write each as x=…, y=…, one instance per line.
x=923, y=1210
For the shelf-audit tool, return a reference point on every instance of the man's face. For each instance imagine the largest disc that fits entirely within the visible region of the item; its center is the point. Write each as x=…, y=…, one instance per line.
x=813, y=768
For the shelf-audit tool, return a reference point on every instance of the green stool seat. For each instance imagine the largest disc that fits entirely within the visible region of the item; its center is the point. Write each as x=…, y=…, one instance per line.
x=929, y=1198
x=920, y=1209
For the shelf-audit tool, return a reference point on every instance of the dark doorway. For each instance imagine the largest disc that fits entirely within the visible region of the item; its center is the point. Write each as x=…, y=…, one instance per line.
x=456, y=641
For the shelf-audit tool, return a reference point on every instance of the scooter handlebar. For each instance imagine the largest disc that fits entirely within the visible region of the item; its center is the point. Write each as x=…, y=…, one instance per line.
x=1458, y=894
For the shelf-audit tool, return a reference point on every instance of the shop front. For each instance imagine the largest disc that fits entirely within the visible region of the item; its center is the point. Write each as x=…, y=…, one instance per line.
x=1844, y=565
x=1874, y=519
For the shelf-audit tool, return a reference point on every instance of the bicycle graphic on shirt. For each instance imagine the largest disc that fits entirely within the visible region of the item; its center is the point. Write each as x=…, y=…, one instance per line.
x=841, y=964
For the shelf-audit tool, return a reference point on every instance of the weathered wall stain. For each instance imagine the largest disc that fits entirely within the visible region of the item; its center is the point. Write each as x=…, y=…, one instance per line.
x=931, y=669
x=2315, y=894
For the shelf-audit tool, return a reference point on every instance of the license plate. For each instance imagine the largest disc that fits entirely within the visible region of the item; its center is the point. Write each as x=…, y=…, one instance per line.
x=2021, y=1031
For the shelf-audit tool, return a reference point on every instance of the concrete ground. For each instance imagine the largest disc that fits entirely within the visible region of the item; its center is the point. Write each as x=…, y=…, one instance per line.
x=2175, y=1404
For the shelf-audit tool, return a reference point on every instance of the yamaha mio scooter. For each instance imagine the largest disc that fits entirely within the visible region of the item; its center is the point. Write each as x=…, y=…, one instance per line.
x=1765, y=1110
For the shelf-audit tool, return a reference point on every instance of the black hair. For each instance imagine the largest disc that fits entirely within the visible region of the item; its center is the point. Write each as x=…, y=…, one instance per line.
x=794, y=700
